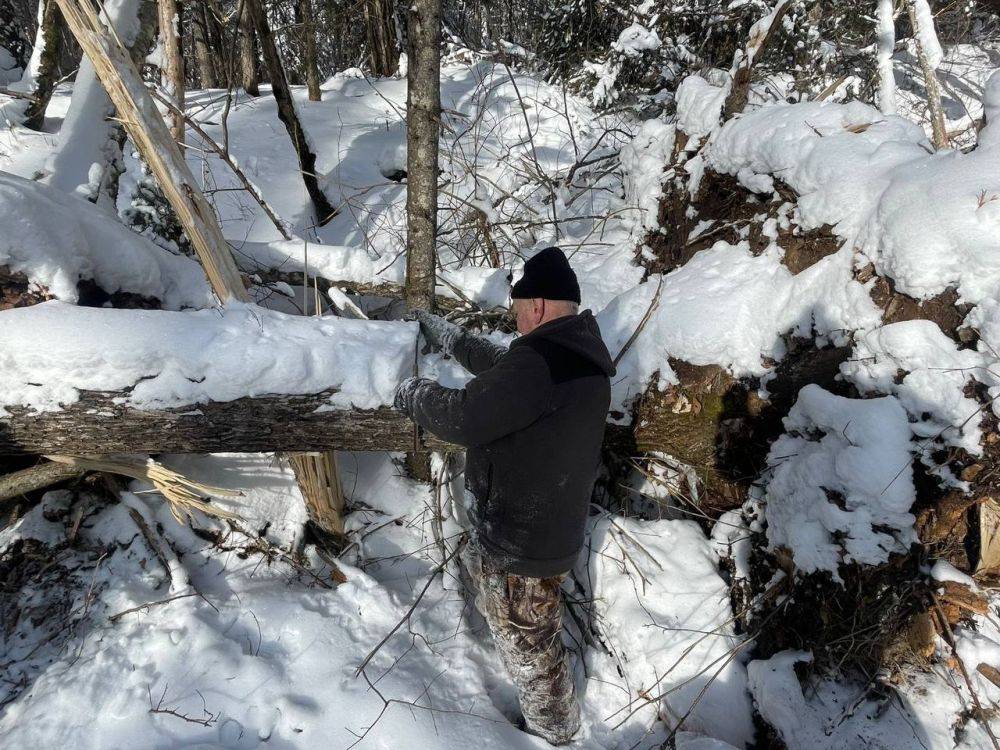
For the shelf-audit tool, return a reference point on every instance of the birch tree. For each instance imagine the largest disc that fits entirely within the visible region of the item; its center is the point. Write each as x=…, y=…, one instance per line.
x=929, y=55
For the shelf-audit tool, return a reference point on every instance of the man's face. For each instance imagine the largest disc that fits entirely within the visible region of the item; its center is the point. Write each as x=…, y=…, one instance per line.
x=529, y=314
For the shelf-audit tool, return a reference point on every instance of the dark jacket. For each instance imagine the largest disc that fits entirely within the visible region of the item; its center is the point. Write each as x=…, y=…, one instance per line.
x=533, y=422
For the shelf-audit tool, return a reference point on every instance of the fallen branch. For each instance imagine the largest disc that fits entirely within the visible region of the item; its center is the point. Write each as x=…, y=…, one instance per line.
x=36, y=477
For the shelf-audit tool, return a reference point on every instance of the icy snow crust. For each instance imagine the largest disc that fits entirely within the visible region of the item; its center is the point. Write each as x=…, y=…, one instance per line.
x=51, y=351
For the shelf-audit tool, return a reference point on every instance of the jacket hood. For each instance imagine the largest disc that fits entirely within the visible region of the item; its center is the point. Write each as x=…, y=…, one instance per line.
x=578, y=333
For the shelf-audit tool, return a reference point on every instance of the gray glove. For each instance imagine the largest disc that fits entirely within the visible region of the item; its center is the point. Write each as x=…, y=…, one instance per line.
x=439, y=332
x=406, y=391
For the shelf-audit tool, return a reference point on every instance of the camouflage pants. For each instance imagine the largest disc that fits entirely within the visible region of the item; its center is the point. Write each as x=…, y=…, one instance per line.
x=525, y=617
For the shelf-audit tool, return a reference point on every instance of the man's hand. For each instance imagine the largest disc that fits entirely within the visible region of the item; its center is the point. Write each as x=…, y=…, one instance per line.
x=405, y=393
x=439, y=332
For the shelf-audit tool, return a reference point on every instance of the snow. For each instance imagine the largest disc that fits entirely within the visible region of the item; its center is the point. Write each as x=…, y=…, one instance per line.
x=643, y=160
x=945, y=571
x=656, y=590
x=267, y=655
x=51, y=351
x=932, y=390
x=57, y=239
x=886, y=44
x=926, y=33
x=726, y=306
x=83, y=169
x=636, y=39
x=699, y=106
x=841, y=482
x=834, y=156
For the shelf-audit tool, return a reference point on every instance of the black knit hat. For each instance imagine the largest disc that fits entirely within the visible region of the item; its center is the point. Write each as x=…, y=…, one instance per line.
x=547, y=275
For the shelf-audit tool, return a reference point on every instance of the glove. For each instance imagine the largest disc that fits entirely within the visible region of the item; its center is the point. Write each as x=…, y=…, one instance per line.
x=405, y=393
x=439, y=332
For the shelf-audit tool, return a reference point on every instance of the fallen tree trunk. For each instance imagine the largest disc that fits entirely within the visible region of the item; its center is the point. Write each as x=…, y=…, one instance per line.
x=98, y=425
x=35, y=478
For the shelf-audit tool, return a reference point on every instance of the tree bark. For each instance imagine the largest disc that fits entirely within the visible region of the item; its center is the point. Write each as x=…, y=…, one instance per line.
x=924, y=32
x=50, y=37
x=742, y=68
x=173, y=73
x=304, y=11
x=35, y=478
x=423, y=111
x=207, y=73
x=98, y=425
x=248, y=54
x=886, y=44
x=380, y=26
x=286, y=113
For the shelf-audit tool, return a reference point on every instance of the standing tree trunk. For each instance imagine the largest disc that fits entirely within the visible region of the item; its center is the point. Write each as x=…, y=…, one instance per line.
x=173, y=74
x=208, y=75
x=423, y=121
x=382, y=44
x=48, y=48
x=886, y=45
x=248, y=54
x=286, y=113
x=423, y=112
x=304, y=11
x=929, y=54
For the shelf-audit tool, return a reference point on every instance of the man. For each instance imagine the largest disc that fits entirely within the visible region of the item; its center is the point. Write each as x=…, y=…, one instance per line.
x=532, y=420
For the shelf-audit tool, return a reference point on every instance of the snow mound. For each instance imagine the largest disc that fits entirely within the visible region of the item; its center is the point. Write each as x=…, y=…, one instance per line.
x=52, y=351
x=928, y=220
x=835, y=156
x=936, y=375
x=56, y=239
x=727, y=306
x=842, y=482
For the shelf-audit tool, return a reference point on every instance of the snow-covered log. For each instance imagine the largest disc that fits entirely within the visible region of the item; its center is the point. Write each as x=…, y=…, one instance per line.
x=99, y=380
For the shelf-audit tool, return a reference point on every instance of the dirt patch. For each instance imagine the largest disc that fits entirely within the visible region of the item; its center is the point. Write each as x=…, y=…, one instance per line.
x=17, y=291
x=944, y=309
x=733, y=214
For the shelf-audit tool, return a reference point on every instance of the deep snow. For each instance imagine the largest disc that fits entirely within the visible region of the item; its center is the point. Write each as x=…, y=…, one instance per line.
x=264, y=654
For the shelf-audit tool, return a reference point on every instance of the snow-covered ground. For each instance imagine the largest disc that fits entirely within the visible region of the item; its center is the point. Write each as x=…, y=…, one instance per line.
x=235, y=637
